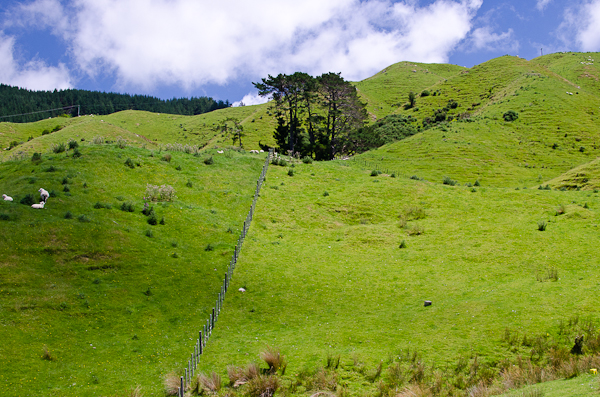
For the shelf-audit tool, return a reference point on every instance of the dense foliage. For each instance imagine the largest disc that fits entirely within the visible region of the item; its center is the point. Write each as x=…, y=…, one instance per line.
x=389, y=129
x=17, y=101
x=314, y=115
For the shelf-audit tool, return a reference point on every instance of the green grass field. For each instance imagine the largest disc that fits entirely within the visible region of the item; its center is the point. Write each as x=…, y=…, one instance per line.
x=337, y=262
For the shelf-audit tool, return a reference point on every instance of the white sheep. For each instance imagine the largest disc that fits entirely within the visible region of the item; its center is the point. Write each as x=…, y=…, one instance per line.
x=220, y=151
x=7, y=198
x=44, y=194
x=39, y=206
x=242, y=289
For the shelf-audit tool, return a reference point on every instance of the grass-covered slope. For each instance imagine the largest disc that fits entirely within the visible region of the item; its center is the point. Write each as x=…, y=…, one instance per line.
x=324, y=273
x=116, y=301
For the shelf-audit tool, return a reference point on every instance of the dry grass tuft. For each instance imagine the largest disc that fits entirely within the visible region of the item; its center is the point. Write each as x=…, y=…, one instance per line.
x=209, y=384
x=240, y=376
x=172, y=383
x=274, y=360
x=262, y=386
x=47, y=355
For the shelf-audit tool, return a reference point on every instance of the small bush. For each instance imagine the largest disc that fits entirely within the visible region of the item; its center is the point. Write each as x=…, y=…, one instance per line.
x=162, y=193
x=307, y=160
x=147, y=210
x=76, y=153
x=542, y=226
x=50, y=169
x=167, y=157
x=424, y=93
x=325, y=193
x=415, y=230
x=402, y=244
x=47, y=355
x=127, y=207
x=83, y=218
x=59, y=148
x=98, y=140
x=65, y=180
x=121, y=143
x=374, y=173
x=162, y=220
x=393, y=175
x=36, y=157
x=28, y=200
x=511, y=115
x=66, y=188
x=209, y=160
x=189, y=183
x=149, y=233
x=68, y=215
x=152, y=220
x=449, y=181
x=4, y=217
x=73, y=144
x=46, y=132
x=129, y=163
x=290, y=172
x=416, y=178
x=209, y=247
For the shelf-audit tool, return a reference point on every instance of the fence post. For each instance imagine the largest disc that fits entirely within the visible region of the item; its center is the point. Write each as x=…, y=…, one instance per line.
x=181, y=388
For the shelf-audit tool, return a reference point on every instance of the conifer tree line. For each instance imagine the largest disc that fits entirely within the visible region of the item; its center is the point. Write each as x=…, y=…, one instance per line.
x=15, y=100
x=323, y=117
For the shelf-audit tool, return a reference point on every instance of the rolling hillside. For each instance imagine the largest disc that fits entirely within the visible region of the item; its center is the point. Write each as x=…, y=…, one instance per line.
x=494, y=221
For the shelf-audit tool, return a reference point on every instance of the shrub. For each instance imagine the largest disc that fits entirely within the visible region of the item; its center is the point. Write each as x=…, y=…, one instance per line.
x=449, y=181
x=542, y=226
x=511, y=115
x=162, y=193
x=209, y=247
x=66, y=188
x=415, y=230
x=189, y=183
x=65, y=180
x=209, y=160
x=50, y=169
x=76, y=153
x=375, y=173
x=83, y=218
x=162, y=220
x=98, y=140
x=290, y=172
x=402, y=244
x=149, y=233
x=325, y=193
x=68, y=215
x=307, y=160
x=36, y=157
x=127, y=207
x=416, y=178
x=121, y=143
x=59, y=148
x=98, y=205
x=413, y=213
x=147, y=210
x=46, y=132
x=167, y=157
x=152, y=220
x=28, y=200
x=4, y=217
x=424, y=93
x=129, y=163
x=178, y=168
x=477, y=183
x=47, y=355
x=73, y=144
x=393, y=175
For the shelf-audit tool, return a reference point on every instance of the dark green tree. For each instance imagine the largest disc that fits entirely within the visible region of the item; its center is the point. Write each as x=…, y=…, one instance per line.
x=232, y=128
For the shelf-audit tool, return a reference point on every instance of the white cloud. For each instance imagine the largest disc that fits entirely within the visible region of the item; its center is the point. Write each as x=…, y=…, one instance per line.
x=581, y=26
x=484, y=39
x=33, y=75
x=190, y=43
x=251, y=99
x=541, y=4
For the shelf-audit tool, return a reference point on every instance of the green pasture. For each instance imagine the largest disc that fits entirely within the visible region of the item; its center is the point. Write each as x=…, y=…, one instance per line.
x=116, y=301
x=324, y=273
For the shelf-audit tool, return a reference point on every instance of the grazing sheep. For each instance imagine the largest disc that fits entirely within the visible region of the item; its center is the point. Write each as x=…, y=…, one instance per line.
x=39, y=206
x=220, y=151
x=242, y=289
x=44, y=194
x=7, y=198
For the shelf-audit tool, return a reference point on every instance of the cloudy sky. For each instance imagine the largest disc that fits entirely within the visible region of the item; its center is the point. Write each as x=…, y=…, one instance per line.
x=183, y=48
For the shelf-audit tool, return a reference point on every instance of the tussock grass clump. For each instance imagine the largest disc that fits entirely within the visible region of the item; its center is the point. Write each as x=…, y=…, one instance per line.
x=239, y=376
x=28, y=200
x=307, y=160
x=415, y=230
x=263, y=386
x=290, y=172
x=47, y=355
x=172, y=382
x=206, y=384
x=129, y=163
x=73, y=144
x=414, y=213
x=167, y=157
x=36, y=157
x=159, y=193
x=98, y=140
x=542, y=226
x=402, y=244
x=100, y=205
x=209, y=160
x=274, y=360
x=209, y=247
x=68, y=215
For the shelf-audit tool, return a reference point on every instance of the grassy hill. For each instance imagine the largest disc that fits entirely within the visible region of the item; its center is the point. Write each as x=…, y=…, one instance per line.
x=114, y=299
x=337, y=262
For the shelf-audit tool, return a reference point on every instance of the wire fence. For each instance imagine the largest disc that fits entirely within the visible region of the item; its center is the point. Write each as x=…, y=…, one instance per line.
x=205, y=333
x=364, y=164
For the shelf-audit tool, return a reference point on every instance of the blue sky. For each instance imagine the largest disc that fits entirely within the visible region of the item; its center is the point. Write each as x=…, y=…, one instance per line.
x=183, y=48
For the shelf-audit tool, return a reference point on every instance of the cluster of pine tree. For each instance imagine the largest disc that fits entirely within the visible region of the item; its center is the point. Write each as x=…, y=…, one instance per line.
x=34, y=105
